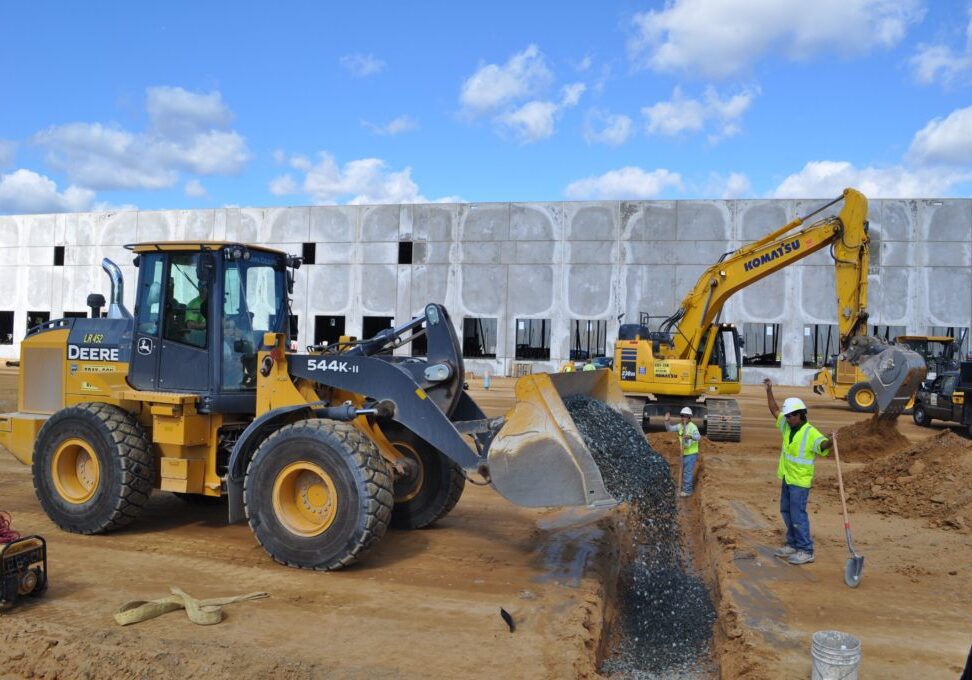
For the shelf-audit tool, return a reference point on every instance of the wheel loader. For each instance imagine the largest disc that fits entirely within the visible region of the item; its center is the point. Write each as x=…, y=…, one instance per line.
x=196, y=393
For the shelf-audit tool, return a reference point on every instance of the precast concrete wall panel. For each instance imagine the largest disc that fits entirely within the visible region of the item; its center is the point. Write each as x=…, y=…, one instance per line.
x=378, y=288
x=380, y=223
x=285, y=225
x=536, y=222
x=589, y=290
x=592, y=221
x=484, y=290
x=766, y=300
x=531, y=290
x=333, y=224
x=484, y=222
x=818, y=298
x=648, y=220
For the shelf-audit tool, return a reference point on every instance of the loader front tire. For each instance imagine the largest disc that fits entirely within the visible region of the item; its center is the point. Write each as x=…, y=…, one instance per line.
x=317, y=495
x=861, y=398
x=93, y=468
x=430, y=490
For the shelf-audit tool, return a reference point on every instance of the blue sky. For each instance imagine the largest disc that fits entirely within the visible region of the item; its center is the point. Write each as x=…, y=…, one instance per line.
x=109, y=105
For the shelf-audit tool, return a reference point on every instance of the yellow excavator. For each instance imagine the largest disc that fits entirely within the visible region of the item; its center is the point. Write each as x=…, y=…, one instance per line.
x=196, y=393
x=694, y=360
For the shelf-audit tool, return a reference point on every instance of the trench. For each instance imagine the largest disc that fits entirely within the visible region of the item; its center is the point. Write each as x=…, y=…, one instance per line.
x=660, y=606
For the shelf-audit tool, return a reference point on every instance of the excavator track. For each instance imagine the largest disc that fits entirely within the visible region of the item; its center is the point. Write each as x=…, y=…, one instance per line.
x=723, y=420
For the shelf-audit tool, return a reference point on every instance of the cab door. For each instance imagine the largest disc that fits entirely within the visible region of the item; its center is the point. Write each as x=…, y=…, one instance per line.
x=188, y=324
x=143, y=369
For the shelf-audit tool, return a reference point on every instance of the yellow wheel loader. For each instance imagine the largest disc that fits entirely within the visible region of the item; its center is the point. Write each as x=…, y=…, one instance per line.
x=694, y=360
x=195, y=393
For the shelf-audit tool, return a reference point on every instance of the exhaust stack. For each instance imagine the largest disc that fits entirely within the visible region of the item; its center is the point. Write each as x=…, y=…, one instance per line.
x=116, y=306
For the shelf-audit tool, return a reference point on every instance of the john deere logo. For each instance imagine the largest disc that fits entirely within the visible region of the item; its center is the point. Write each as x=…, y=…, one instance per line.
x=145, y=346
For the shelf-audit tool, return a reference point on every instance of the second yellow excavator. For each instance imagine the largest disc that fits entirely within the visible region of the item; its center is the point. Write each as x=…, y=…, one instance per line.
x=694, y=360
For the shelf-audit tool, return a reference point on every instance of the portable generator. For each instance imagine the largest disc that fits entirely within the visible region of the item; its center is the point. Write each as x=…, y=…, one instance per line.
x=23, y=569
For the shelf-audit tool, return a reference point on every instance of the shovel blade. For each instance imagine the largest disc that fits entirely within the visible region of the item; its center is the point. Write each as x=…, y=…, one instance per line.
x=854, y=570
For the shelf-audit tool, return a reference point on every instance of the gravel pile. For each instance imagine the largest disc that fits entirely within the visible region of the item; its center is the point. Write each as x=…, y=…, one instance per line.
x=666, y=612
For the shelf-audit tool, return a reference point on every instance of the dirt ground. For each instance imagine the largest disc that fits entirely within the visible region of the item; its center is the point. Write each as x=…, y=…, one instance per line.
x=427, y=603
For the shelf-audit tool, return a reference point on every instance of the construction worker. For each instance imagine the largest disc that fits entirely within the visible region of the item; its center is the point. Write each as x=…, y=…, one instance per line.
x=688, y=441
x=568, y=367
x=589, y=366
x=802, y=442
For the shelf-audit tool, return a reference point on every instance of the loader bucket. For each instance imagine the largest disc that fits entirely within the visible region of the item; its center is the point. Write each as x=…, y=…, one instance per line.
x=894, y=374
x=538, y=458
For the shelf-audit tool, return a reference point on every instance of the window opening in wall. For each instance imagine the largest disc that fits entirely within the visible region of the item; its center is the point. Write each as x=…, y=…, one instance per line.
x=6, y=328
x=404, y=252
x=479, y=337
x=294, y=328
x=328, y=329
x=821, y=343
x=372, y=325
x=419, y=346
x=761, y=344
x=309, y=253
x=37, y=318
x=58, y=256
x=588, y=338
x=75, y=315
x=533, y=339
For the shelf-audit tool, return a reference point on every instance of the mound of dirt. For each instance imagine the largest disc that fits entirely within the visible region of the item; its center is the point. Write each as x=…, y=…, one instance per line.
x=870, y=439
x=931, y=479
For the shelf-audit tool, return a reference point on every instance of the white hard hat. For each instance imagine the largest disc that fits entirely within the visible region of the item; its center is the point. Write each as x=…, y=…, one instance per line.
x=793, y=404
x=686, y=412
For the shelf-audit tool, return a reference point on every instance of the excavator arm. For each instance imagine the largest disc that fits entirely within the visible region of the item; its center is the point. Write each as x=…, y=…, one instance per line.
x=846, y=234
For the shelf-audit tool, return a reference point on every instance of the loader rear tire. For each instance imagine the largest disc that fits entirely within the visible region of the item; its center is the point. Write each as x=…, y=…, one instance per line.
x=861, y=398
x=93, y=468
x=317, y=495
x=431, y=491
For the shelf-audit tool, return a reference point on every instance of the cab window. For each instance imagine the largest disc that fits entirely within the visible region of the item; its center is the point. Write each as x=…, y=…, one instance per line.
x=948, y=386
x=186, y=302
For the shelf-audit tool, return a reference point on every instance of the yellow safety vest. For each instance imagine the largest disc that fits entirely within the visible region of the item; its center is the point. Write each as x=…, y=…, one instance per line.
x=689, y=431
x=797, y=456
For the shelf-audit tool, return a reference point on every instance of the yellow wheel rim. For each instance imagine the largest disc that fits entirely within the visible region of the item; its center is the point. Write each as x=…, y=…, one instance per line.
x=413, y=484
x=864, y=398
x=76, y=471
x=305, y=499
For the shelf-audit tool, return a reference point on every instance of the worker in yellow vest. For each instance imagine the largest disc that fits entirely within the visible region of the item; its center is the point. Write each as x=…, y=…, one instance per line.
x=688, y=442
x=802, y=443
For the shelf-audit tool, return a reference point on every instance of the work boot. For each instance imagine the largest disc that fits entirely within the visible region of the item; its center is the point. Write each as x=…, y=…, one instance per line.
x=800, y=557
x=685, y=494
x=784, y=552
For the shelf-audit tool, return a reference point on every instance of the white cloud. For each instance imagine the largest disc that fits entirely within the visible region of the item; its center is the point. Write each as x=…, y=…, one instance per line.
x=284, y=185
x=8, y=150
x=945, y=140
x=362, y=181
x=735, y=185
x=393, y=127
x=628, y=182
x=681, y=114
x=300, y=162
x=195, y=189
x=362, y=65
x=606, y=128
x=584, y=64
x=718, y=38
x=184, y=134
x=25, y=191
x=279, y=156
x=827, y=179
x=491, y=87
x=941, y=62
x=571, y=94
x=532, y=122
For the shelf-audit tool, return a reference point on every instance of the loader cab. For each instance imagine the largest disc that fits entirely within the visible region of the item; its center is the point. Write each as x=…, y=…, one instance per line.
x=200, y=315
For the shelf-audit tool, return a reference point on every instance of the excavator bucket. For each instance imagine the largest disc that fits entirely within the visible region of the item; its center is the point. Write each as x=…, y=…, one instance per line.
x=895, y=374
x=539, y=458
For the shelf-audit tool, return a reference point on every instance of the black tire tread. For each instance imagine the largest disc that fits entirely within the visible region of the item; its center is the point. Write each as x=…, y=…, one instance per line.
x=135, y=455
x=378, y=488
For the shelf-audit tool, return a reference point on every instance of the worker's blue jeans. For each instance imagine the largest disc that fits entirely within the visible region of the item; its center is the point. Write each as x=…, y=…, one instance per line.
x=793, y=507
x=688, y=471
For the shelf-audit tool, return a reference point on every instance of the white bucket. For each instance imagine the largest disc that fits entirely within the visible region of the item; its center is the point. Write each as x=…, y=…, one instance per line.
x=835, y=655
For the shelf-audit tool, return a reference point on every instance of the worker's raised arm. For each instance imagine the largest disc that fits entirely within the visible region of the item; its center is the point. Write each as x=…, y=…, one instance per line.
x=770, y=399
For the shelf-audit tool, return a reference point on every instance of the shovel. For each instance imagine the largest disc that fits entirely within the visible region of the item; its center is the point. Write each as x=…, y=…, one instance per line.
x=855, y=563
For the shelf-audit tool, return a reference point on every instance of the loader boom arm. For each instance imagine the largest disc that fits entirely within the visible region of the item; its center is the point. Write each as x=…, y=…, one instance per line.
x=847, y=236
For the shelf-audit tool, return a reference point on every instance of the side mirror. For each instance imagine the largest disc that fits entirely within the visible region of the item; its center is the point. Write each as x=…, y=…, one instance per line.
x=290, y=282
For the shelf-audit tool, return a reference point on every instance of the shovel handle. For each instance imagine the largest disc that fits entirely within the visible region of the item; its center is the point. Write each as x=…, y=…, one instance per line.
x=840, y=484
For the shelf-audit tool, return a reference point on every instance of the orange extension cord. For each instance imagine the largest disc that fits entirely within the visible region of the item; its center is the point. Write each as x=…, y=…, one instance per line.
x=6, y=533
